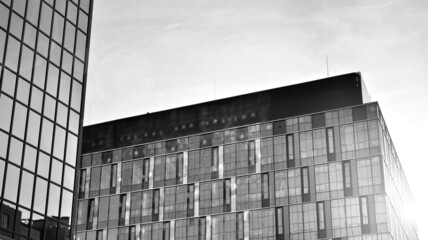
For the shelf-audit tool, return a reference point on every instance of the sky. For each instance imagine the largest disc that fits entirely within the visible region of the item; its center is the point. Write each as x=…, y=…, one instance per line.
x=149, y=55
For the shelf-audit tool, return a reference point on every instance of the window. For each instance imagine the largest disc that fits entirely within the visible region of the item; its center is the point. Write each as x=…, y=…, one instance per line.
x=103, y=212
x=266, y=146
x=296, y=222
x=347, y=178
x=320, y=216
x=321, y=182
x=361, y=139
x=206, y=164
x=136, y=206
x=335, y=180
x=306, y=148
x=217, y=196
x=240, y=227
x=205, y=192
x=265, y=190
x=137, y=175
x=214, y=162
x=181, y=204
x=156, y=204
x=281, y=188
x=5, y=221
x=347, y=144
x=309, y=221
x=330, y=141
x=262, y=224
x=193, y=166
x=338, y=218
x=279, y=148
x=171, y=169
x=106, y=175
x=279, y=221
x=294, y=186
x=229, y=158
x=305, y=180
x=159, y=172
x=94, y=187
x=147, y=206
x=290, y=150
x=190, y=199
x=364, y=211
x=320, y=146
x=353, y=221
x=169, y=203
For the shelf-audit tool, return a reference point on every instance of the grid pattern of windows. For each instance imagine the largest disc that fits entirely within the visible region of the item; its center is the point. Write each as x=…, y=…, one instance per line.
x=43, y=57
x=300, y=186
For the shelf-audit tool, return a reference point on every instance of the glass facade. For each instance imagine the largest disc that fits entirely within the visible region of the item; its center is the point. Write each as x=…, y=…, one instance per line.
x=43, y=58
x=329, y=175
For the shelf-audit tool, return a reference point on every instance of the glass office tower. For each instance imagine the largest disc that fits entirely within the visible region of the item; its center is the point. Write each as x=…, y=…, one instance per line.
x=308, y=161
x=43, y=58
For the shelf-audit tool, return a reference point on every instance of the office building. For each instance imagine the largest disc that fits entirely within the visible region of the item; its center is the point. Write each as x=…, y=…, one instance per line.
x=307, y=161
x=43, y=58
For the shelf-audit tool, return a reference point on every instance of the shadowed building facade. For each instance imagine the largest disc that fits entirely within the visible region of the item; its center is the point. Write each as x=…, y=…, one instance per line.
x=43, y=58
x=307, y=161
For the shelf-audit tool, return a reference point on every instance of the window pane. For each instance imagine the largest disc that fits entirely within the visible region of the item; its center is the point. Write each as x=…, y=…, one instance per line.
x=43, y=166
x=59, y=143
x=26, y=193
x=76, y=96
x=9, y=83
x=56, y=171
x=4, y=145
x=36, y=99
x=6, y=115
x=23, y=92
x=11, y=184
x=33, y=131
x=53, y=205
x=47, y=135
x=71, y=149
x=39, y=71
x=19, y=119
x=12, y=53
x=40, y=197
x=15, y=151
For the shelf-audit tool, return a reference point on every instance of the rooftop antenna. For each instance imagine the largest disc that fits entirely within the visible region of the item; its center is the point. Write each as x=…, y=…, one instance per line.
x=326, y=59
